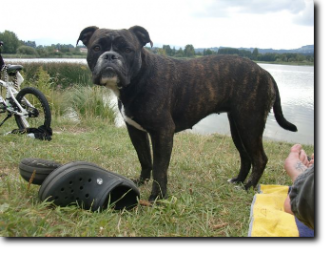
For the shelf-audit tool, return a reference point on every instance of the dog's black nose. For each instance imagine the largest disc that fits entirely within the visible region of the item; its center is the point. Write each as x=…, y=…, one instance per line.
x=111, y=56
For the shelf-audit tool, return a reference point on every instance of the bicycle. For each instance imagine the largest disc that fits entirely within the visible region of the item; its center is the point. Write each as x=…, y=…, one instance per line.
x=29, y=105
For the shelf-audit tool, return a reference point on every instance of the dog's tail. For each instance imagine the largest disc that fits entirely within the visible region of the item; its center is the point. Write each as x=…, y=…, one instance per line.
x=277, y=108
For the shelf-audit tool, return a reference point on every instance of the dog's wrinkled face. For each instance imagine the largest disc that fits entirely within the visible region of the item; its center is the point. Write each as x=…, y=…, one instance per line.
x=114, y=56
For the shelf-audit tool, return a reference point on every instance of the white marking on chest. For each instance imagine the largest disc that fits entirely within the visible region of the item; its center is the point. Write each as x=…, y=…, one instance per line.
x=130, y=121
x=112, y=85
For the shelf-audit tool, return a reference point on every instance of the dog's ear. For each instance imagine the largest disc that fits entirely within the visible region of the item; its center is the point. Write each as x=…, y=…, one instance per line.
x=142, y=35
x=86, y=34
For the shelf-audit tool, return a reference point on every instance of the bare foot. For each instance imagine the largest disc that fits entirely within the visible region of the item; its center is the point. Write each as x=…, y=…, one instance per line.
x=296, y=162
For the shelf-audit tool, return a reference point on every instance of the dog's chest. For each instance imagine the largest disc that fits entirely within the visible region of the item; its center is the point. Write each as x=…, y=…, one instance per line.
x=129, y=119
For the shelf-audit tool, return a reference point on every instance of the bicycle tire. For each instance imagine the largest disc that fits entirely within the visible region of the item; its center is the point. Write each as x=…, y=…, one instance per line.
x=43, y=114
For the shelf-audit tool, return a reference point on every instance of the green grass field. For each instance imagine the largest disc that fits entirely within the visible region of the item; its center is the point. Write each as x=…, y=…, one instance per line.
x=201, y=202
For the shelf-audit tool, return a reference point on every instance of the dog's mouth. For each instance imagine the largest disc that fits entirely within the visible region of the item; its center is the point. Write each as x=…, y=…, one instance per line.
x=109, y=77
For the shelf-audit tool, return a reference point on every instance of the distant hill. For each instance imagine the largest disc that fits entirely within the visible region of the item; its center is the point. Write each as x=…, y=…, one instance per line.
x=307, y=50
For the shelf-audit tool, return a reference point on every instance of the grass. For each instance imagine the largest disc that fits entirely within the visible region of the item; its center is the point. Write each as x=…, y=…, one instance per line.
x=59, y=75
x=201, y=203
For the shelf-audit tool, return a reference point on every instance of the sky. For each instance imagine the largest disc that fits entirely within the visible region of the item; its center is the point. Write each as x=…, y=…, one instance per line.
x=277, y=24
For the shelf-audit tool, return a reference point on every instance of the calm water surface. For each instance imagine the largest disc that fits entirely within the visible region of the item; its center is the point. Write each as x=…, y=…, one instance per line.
x=73, y=60
x=296, y=85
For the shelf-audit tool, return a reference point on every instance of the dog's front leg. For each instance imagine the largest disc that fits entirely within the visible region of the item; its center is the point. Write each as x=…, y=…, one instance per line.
x=141, y=144
x=162, y=143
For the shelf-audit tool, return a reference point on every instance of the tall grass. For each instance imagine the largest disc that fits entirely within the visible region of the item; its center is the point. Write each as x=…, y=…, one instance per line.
x=61, y=74
x=69, y=90
x=89, y=102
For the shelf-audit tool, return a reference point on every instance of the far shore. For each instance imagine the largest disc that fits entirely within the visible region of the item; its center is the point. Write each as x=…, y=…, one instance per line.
x=83, y=56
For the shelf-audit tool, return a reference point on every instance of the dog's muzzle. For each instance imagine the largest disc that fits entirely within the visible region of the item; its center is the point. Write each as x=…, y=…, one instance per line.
x=109, y=71
x=108, y=75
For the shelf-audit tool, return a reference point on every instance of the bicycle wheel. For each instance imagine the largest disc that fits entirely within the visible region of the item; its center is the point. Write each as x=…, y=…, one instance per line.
x=37, y=107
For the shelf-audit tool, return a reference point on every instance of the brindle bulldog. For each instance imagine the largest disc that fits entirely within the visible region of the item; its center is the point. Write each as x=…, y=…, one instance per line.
x=160, y=96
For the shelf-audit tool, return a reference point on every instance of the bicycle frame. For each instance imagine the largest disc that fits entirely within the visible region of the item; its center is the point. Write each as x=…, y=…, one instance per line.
x=11, y=93
x=10, y=102
x=16, y=102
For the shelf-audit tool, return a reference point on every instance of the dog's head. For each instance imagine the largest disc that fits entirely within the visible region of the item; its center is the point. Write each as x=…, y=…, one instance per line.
x=114, y=56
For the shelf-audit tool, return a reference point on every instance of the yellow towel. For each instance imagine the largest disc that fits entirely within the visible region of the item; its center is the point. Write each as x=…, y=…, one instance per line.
x=268, y=218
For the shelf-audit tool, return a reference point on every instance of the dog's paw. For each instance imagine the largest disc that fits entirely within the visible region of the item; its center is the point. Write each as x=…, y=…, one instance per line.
x=250, y=184
x=234, y=180
x=140, y=181
x=155, y=198
x=152, y=199
x=238, y=184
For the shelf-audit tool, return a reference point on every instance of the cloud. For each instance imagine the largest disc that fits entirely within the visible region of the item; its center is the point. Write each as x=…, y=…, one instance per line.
x=204, y=23
x=306, y=16
x=263, y=7
x=301, y=11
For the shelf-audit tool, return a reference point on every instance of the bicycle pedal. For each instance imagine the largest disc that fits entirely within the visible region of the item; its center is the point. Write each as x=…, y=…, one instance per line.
x=2, y=107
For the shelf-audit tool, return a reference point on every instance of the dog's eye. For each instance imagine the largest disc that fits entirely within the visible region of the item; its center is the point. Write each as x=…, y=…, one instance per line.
x=128, y=50
x=96, y=48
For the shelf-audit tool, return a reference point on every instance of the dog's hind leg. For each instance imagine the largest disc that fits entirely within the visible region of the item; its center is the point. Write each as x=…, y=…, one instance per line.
x=245, y=158
x=249, y=132
x=141, y=144
x=259, y=161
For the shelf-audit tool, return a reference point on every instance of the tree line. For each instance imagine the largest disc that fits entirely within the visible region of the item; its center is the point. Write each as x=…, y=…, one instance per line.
x=15, y=46
x=189, y=51
x=12, y=45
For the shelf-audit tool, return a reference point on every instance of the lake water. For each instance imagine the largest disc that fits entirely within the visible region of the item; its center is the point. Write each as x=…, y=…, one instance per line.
x=296, y=85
